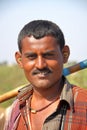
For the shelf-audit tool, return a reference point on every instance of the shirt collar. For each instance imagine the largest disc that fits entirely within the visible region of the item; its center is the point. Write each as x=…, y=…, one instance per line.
x=67, y=94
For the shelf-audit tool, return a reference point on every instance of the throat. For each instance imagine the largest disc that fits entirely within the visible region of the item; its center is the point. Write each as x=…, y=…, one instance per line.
x=34, y=111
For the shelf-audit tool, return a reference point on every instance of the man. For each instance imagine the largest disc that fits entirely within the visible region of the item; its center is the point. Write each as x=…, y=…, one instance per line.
x=50, y=102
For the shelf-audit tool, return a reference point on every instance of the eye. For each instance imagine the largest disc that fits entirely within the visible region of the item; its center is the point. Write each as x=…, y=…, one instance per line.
x=31, y=56
x=48, y=55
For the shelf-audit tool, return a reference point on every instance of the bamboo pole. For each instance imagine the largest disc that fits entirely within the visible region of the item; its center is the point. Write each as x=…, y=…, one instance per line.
x=11, y=94
x=66, y=71
x=74, y=68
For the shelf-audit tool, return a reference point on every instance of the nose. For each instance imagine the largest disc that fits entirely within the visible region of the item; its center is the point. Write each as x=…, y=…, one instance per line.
x=41, y=63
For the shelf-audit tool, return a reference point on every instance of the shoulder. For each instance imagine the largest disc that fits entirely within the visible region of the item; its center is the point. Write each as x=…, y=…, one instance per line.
x=24, y=94
x=16, y=107
x=12, y=115
x=80, y=94
x=79, y=90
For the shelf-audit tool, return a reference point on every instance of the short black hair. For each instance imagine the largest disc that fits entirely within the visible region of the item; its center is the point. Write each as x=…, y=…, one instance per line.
x=39, y=29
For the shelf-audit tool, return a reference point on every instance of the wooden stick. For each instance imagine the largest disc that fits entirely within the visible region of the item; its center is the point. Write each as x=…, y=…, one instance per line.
x=11, y=94
x=74, y=68
x=66, y=71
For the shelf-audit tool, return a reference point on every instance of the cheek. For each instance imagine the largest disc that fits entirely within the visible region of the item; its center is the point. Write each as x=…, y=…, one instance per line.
x=27, y=65
x=28, y=72
x=56, y=65
x=57, y=72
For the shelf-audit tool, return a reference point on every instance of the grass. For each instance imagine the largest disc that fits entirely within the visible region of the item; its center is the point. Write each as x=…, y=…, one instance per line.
x=79, y=78
x=10, y=78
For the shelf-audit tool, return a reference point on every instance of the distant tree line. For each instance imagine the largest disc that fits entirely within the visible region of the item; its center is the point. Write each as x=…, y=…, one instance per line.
x=4, y=63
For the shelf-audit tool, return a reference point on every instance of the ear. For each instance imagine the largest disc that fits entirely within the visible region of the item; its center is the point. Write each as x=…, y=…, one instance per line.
x=66, y=53
x=19, y=59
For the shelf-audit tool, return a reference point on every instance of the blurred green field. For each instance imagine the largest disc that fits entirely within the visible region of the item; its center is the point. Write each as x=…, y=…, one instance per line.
x=12, y=77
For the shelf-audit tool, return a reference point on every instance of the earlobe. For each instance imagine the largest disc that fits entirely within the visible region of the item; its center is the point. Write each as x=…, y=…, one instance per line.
x=18, y=59
x=66, y=53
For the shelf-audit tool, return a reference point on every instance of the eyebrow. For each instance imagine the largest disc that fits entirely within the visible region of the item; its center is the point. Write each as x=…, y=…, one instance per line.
x=29, y=53
x=48, y=51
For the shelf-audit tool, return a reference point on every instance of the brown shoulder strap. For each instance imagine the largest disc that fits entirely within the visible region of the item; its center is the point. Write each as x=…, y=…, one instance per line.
x=23, y=94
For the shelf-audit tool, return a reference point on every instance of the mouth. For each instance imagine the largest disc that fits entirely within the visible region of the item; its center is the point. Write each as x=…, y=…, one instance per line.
x=42, y=73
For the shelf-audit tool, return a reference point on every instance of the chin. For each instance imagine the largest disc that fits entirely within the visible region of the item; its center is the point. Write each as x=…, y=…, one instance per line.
x=42, y=85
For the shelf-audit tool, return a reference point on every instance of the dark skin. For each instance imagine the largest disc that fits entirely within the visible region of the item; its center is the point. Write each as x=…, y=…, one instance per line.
x=42, y=61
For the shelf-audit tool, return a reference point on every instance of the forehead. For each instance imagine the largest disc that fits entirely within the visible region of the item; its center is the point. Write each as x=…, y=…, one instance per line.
x=45, y=43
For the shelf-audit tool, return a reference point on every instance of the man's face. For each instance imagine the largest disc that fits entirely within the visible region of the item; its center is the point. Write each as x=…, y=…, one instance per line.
x=42, y=61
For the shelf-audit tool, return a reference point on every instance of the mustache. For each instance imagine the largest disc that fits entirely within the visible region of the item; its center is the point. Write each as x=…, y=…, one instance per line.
x=44, y=70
